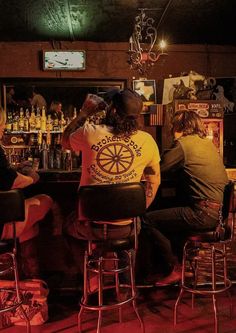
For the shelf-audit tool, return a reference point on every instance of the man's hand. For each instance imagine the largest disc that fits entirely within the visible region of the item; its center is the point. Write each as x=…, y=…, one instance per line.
x=92, y=105
x=26, y=169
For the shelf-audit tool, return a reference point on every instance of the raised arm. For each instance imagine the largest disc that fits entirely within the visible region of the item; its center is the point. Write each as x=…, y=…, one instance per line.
x=72, y=127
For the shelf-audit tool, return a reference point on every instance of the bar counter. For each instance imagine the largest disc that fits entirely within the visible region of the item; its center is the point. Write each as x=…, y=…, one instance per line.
x=62, y=186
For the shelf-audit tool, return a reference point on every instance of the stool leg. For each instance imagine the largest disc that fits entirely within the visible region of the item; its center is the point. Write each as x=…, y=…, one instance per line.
x=226, y=281
x=133, y=290
x=118, y=286
x=182, y=284
x=176, y=305
x=213, y=272
x=85, y=291
x=195, y=276
x=16, y=276
x=100, y=292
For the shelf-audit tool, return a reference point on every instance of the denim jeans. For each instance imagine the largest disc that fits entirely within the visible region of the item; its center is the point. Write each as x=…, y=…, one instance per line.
x=169, y=227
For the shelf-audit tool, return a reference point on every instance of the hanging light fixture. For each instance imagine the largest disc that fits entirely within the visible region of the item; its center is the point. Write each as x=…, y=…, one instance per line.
x=143, y=52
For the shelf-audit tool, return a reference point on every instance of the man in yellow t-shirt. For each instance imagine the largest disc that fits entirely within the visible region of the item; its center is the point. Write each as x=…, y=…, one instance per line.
x=115, y=151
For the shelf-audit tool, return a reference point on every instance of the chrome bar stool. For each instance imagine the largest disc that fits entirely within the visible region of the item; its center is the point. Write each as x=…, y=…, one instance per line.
x=110, y=203
x=12, y=208
x=204, y=270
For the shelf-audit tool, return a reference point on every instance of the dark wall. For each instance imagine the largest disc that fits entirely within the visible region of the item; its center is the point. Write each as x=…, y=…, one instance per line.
x=109, y=60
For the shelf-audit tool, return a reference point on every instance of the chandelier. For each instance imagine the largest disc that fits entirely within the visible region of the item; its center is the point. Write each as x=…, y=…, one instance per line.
x=142, y=55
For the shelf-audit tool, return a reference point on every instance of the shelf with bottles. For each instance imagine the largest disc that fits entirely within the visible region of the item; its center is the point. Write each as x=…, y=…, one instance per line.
x=43, y=157
x=32, y=132
x=36, y=137
x=32, y=121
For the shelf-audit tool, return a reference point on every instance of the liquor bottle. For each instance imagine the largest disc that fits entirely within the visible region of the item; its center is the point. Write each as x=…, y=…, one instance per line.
x=44, y=155
x=36, y=159
x=68, y=161
x=9, y=122
x=26, y=120
x=62, y=123
x=49, y=125
x=48, y=138
x=40, y=138
x=43, y=120
x=21, y=120
x=57, y=160
x=57, y=140
x=15, y=126
x=38, y=119
x=51, y=158
x=56, y=123
x=32, y=120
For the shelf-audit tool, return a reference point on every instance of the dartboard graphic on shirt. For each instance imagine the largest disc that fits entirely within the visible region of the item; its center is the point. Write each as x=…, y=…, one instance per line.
x=115, y=158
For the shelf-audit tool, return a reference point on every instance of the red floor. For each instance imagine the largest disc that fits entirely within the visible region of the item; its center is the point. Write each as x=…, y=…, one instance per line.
x=155, y=307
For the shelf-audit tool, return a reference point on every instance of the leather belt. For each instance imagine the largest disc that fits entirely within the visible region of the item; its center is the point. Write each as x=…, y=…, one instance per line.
x=209, y=204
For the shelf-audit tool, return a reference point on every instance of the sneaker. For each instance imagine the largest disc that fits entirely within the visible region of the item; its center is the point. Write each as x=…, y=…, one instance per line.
x=173, y=278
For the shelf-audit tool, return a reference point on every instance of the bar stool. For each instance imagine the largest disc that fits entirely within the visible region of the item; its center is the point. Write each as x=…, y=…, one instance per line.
x=12, y=208
x=109, y=203
x=204, y=270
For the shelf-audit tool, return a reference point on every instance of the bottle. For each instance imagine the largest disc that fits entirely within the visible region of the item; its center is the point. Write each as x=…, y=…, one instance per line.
x=57, y=161
x=40, y=138
x=49, y=125
x=26, y=120
x=62, y=123
x=21, y=120
x=44, y=155
x=68, y=161
x=9, y=122
x=15, y=126
x=38, y=119
x=43, y=120
x=56, y=123
x=36, y=159
x=51, y=158
x=48, y=138
x=32, y=121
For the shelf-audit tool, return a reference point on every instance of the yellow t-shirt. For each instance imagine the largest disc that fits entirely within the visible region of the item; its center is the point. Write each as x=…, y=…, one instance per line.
x=107, y=158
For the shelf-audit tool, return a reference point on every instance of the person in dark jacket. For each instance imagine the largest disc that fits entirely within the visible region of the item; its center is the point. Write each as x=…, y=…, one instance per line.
x=195, y=162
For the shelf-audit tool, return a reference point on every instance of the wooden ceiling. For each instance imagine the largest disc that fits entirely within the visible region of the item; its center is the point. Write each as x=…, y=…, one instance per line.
x=179, y=21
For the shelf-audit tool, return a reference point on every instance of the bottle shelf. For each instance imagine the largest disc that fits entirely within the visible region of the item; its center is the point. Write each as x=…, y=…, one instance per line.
x=33, y=132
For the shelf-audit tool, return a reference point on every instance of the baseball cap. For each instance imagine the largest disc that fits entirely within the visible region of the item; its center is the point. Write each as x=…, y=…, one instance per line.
x=127, y=102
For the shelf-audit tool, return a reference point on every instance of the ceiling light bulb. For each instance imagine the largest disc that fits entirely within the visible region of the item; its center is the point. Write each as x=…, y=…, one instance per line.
x=162, y=44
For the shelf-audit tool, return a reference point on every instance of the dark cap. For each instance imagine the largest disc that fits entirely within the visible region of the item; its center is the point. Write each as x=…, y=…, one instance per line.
x=127, y=102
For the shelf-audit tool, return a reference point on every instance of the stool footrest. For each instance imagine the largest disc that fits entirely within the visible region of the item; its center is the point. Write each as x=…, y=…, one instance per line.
x=208, y=292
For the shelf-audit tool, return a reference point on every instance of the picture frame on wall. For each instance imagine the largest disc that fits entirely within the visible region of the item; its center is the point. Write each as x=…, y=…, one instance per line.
x=147, y=91
x=225, y=92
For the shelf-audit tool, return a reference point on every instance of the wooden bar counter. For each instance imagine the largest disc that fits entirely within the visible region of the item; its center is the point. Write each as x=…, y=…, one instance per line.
x=56, y=262
x=55, y=258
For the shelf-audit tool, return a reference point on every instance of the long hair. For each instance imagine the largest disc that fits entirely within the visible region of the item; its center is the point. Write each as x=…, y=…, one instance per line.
x=188, y=122
x=123, y=113
x=127, y=125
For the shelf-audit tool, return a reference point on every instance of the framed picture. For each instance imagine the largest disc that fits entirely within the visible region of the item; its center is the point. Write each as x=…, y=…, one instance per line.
x=225, y=92
x=63, y=60
x=147, y=90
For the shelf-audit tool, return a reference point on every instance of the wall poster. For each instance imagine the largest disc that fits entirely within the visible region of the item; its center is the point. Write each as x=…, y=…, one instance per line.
x=147, y=91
